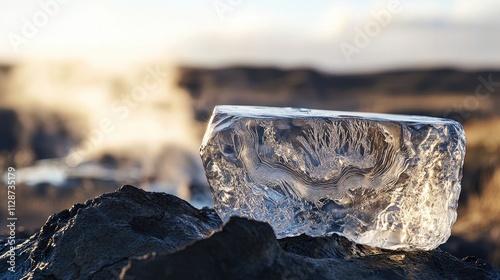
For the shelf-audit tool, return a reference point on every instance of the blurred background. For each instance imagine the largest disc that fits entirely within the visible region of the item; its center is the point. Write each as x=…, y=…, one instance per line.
x=96, y=94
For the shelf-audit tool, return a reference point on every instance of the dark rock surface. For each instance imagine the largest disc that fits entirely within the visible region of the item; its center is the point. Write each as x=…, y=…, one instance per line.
x=146, y=235
x=246, y=249
x=94, y=240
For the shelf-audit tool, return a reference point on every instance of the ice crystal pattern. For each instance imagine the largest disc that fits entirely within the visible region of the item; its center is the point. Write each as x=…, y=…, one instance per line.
x=390, y=181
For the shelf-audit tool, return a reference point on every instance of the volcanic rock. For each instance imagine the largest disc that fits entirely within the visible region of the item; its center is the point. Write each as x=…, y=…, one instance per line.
x=134, y=234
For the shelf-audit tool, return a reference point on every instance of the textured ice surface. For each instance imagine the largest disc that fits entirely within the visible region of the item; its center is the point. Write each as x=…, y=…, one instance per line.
x=390, y=181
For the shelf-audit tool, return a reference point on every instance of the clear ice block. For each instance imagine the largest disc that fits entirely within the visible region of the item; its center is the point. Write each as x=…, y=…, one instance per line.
x=390, y=181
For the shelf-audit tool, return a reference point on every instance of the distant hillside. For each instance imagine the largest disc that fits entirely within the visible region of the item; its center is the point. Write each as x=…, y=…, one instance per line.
x=437, y=92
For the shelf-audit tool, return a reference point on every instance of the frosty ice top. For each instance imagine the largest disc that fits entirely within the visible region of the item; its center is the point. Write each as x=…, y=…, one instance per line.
x=390, y=181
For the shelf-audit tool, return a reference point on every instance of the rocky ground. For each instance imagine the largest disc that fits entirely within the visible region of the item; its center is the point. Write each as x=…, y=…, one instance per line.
x=134, y=234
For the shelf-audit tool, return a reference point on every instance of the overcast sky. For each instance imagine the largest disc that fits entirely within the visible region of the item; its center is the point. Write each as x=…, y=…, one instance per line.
x=322, y=34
